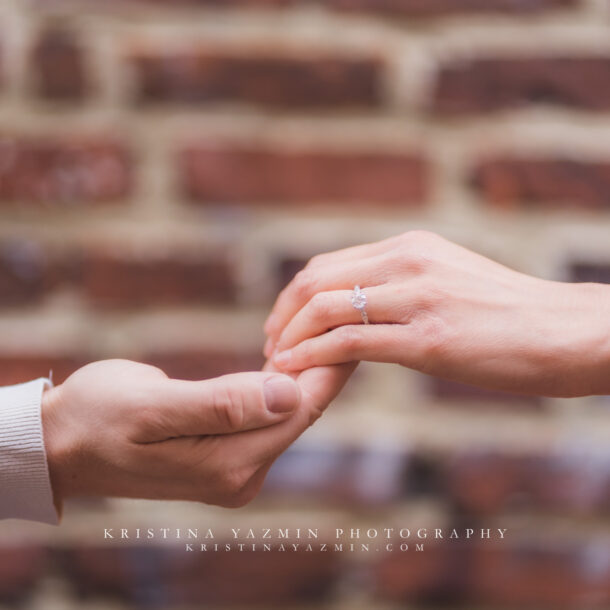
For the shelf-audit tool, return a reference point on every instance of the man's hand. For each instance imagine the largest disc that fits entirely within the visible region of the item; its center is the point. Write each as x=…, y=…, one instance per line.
x=319, y=386
x=119, y=428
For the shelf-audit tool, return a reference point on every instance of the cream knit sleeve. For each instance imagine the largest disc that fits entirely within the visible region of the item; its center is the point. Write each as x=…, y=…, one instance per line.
x=25, y=486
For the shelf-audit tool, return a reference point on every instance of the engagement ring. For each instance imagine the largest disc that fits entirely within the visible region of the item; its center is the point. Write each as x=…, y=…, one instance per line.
x=359, y=303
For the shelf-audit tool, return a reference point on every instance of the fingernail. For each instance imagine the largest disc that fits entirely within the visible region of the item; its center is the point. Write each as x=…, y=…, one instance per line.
x=269, y=347
x=283, y=358
x=282, y=394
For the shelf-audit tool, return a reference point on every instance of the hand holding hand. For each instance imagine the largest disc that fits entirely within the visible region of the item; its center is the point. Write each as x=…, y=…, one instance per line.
x=441, y=309
x=120, y=428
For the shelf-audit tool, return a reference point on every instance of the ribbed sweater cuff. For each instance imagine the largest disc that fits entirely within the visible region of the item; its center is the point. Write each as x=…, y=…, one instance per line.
x=25, y=486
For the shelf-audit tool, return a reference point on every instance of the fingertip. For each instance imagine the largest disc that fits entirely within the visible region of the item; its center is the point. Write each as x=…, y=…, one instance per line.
x=283, y=359
x=270, y=325
x=268, y=348
x=269, y=367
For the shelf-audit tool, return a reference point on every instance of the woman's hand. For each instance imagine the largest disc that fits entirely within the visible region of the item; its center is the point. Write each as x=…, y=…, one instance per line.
x=120, y=428
x=441, y=309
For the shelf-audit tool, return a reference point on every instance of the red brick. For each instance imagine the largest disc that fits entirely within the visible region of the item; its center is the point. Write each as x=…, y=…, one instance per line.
x=95, y=571
x=287, y=269
x=69, y=171
x=498, y=575
x=114, y=279
x=556, y=182
x=424, y=475
x=434, y=576
x=482, y=85
x=137, y=573
x=178, y=364
x=27, y=272
x=240, y=3
x=20, y=367
x=269, y=579
x=347, y=477
x=487, y=483
x=194, y=365
x=21, y=567
x=269, y=78
x=461, y=393
x=58, y=67
x=435, y=8
x=407, y=8
x=575, y=483
x=590, y=272
x=228, y=174
x=537, y=577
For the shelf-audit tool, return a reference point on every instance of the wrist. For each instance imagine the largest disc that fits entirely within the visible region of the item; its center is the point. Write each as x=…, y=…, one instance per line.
x=57, y=444
x=595, y=342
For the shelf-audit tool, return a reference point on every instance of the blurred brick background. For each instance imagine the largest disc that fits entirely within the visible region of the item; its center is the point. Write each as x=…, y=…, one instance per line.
x=165, y=167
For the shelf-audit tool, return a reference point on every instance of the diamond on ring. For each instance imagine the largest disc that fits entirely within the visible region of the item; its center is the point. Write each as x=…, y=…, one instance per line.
x=359, y=302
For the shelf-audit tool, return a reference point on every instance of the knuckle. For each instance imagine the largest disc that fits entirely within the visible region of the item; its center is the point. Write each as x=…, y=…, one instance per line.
x=315, y=261
x=145, y=415
x=320, y=306
x=414, y=262
x=304, y=282
x=145, y=423
x=413, y=254
x=349, y=338
x=245, y=496
x=234, y=490
x=427, y=295
x=229, y=408
x=434, y=338
x=314, y=415
x=232, y=482
x=303, y=353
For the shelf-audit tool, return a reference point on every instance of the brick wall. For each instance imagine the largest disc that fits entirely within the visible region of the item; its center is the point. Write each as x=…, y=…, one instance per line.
x=166, y=167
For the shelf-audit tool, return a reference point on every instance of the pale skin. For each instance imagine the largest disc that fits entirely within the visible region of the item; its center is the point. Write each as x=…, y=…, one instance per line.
x=120, y=428
x=441, y=309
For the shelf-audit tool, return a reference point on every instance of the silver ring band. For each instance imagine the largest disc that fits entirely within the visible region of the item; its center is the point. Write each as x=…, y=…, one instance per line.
x=358, y=300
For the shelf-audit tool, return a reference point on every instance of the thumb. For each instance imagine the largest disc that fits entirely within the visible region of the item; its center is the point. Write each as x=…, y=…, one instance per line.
x=318, y=387
x=224, y=405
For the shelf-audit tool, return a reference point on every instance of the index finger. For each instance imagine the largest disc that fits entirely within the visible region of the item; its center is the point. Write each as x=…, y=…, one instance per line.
x=284, y=306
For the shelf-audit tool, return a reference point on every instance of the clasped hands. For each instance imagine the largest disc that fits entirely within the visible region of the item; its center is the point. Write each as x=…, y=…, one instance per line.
x=119, y=428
